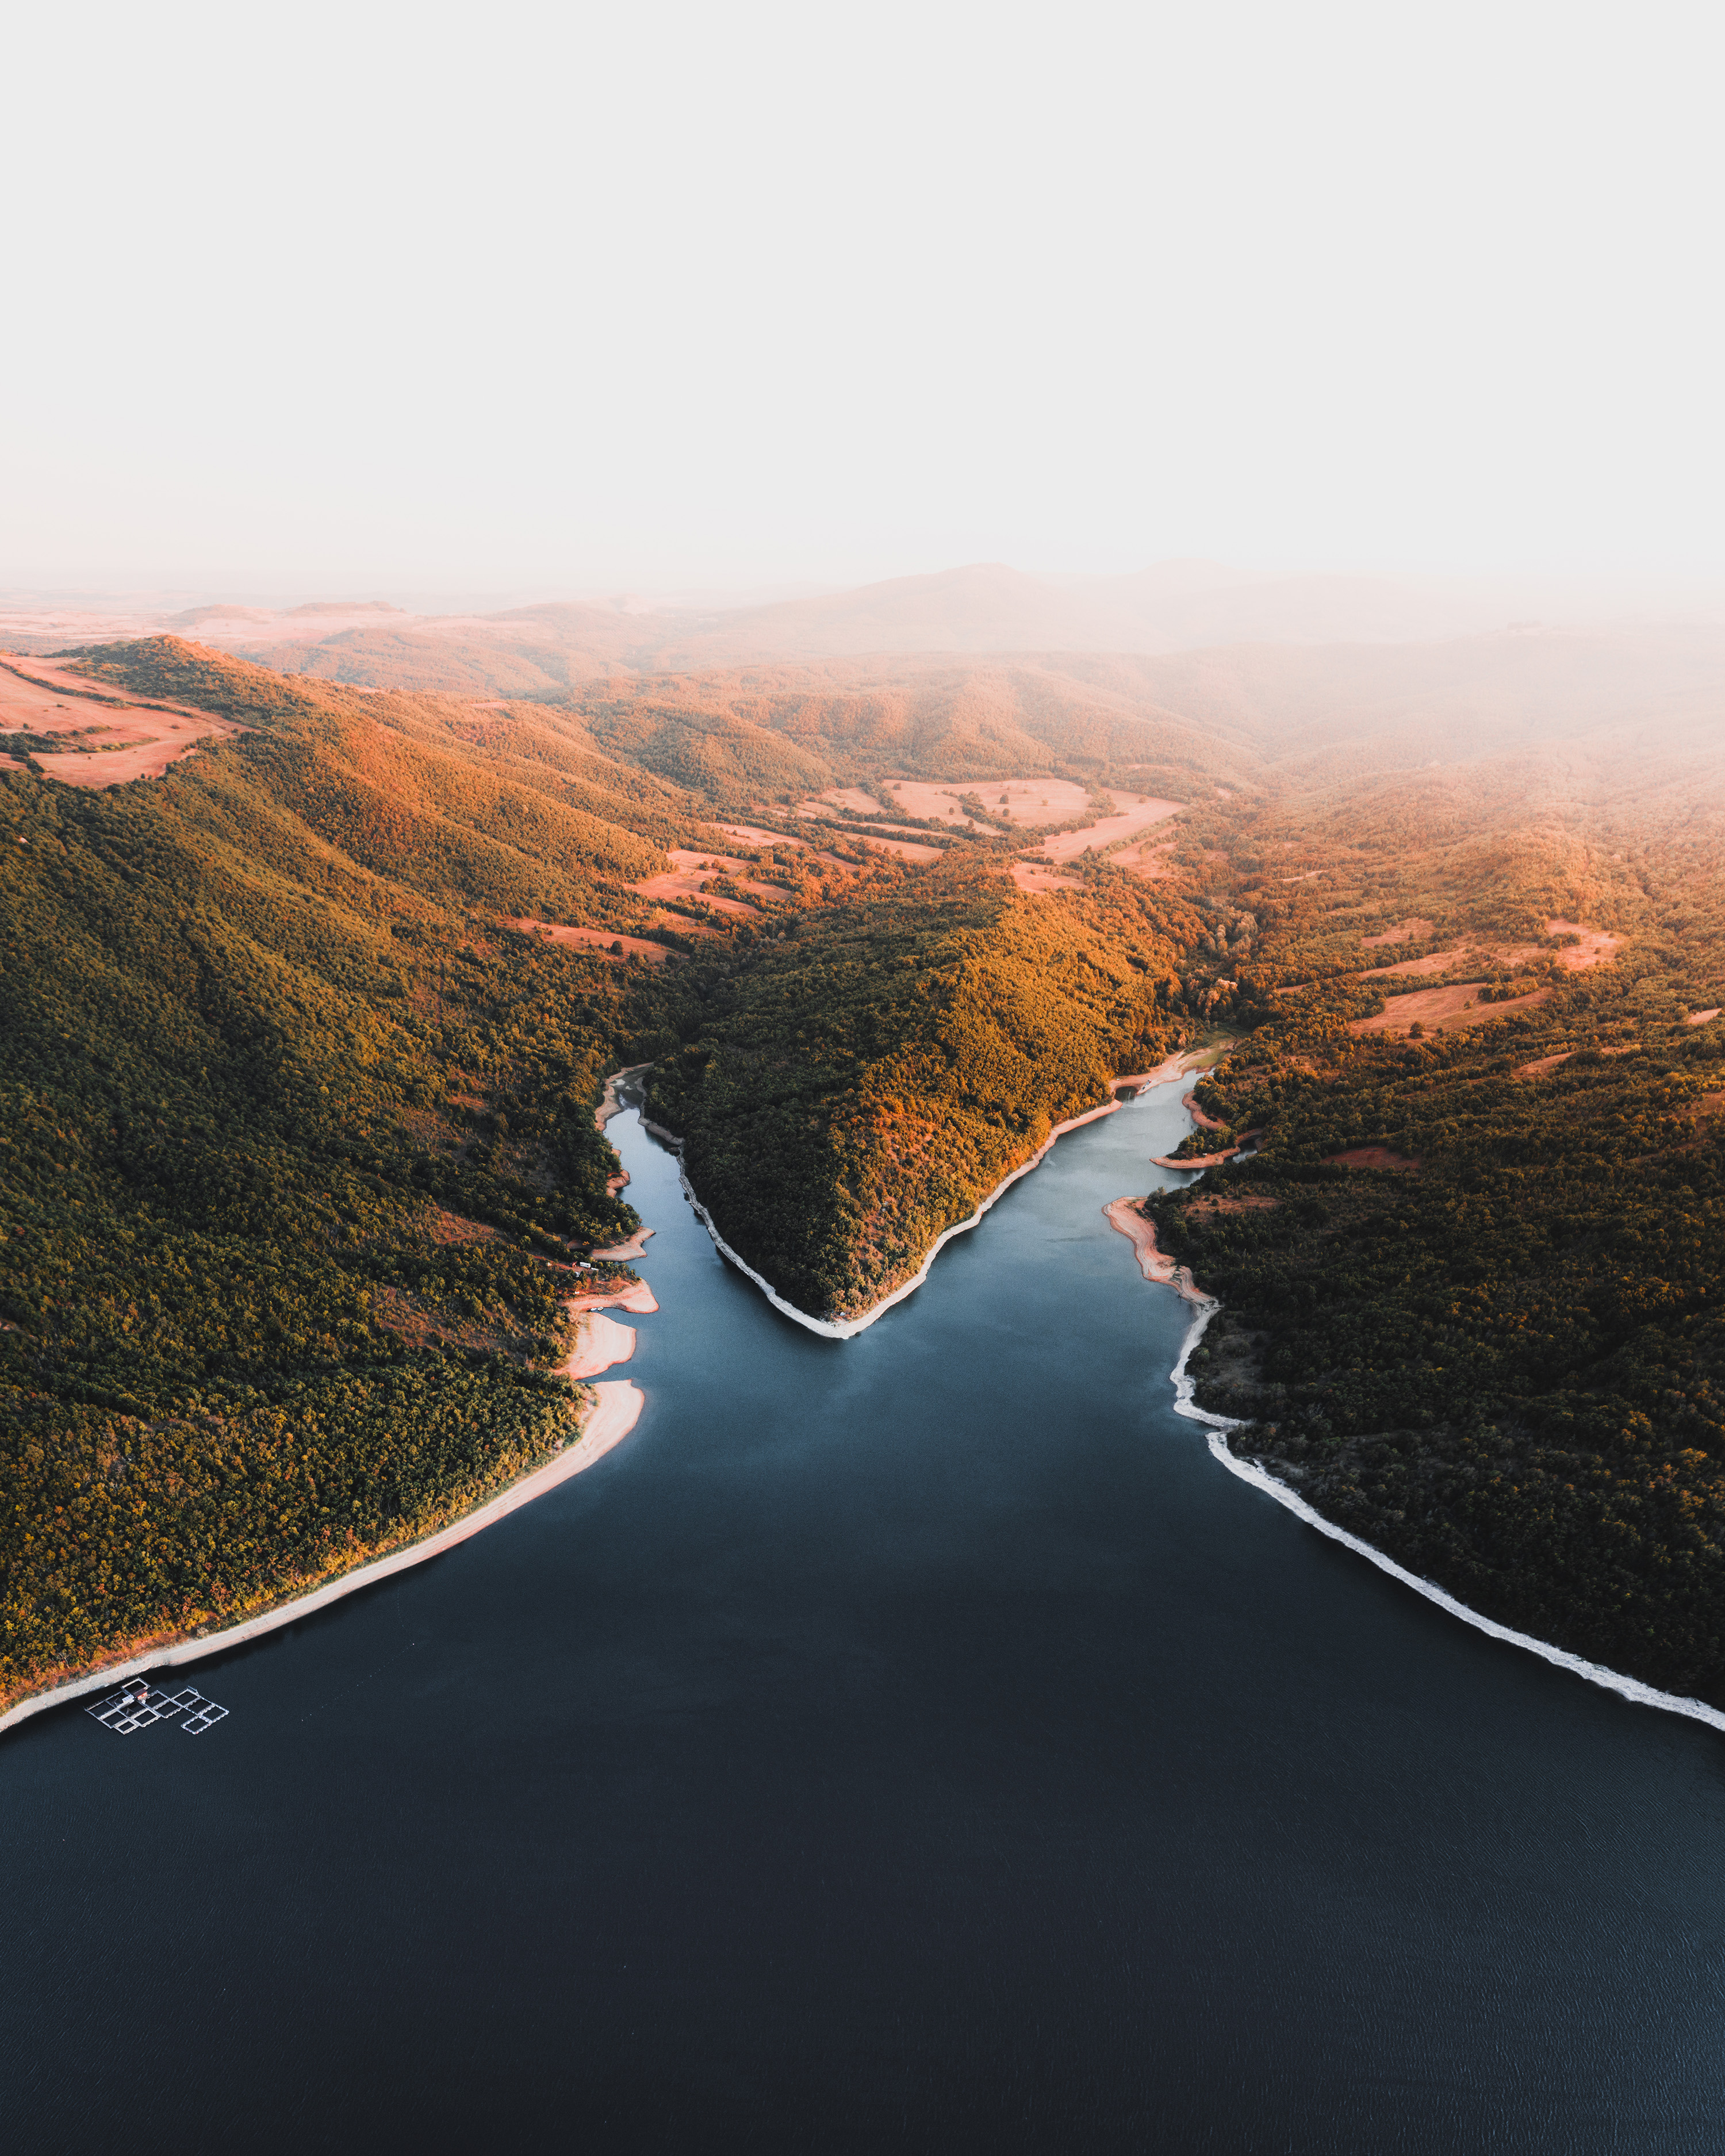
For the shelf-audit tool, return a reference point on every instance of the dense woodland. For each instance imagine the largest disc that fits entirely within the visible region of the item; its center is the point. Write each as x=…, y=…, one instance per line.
x=291, y=1149
x=298, y=1140
x=881, y=1064
x=1499, y=1353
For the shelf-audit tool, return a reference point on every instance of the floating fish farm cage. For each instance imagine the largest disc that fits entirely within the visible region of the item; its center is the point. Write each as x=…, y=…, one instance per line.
x=138, y=1707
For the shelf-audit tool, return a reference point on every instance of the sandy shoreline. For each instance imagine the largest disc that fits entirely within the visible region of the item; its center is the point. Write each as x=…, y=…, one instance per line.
x=847, y=1328
x=1155, y=1264
x=617, y=1409
x=600, y=1342
x=609, y=1104
x=637, y=1298
x=1196, y=1161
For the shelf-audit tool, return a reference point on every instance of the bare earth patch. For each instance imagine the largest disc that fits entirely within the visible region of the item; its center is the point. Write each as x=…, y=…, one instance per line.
x=107, y=744
x=600, y=1343
x=1154, y=1263
x=751, y=836
x=1030, y=878
x=1444, y=1010
x=1147, y=859
x=604, y=1294
x=449, y=1229
x=684, y=926
x=1700, y=1018
x=1136, y=812
x=1595, y=947
x=1197, y=1160
x=1414, y=931
x=689, y=875
x=603, y=940
x=907, y=849
x=1374, y=1156
x=1027, y=800
x=1438, y=961
x=880, y=821
x=1538, y=1068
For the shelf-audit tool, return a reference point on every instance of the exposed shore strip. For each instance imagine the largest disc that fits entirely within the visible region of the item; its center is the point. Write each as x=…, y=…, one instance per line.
x=847, y=1328
x=1154, y=1263
x=600, y=1342
x=618, y=1408
x=1250, y=1470
x=609, y=1104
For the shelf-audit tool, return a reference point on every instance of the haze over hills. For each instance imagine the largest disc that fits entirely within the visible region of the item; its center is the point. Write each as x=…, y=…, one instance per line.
x=542, y=651
x=988, y=607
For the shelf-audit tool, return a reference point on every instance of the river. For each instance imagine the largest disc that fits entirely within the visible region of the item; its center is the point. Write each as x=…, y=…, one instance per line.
x=918, y=1741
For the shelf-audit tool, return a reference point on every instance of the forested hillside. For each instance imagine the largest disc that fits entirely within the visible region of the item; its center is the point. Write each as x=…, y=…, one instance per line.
x=783, y=730
x=291, y=1137
x=1474, y=1274
x=869, y=1079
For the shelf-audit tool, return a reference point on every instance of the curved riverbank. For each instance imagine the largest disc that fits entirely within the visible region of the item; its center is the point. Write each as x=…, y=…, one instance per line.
x=1253, y=1471
x=1159, y=1268
x=847, y=1328
x=618, y=1409
x=600, y=1342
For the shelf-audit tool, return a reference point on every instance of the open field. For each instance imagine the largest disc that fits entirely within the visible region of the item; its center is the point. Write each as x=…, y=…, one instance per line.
x=1595, y=946
x=878, y=820
x=690, y=874
x=1434, y=962
x=1031, y=801
x=1147, y=859
x=109, y=740
x=906, y=849
x=1414, y=931
x=1030, y=878
x=751, y=835
x=602, y=939
x=1136, y=813
x=1442, y=1010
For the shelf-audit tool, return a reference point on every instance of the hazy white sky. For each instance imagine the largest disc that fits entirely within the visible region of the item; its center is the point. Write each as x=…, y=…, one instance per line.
x=483, y=298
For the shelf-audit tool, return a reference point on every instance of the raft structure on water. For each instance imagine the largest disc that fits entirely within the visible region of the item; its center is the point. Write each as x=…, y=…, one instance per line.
x=138, y=1707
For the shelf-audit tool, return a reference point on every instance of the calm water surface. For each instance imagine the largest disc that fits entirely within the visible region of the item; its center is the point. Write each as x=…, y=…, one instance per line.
x=914, y=1742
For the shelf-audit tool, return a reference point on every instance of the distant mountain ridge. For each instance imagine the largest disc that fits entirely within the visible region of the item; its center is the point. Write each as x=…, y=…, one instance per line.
x=987, y=609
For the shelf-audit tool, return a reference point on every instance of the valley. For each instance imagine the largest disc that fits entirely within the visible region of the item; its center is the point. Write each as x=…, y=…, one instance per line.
x=359, y=965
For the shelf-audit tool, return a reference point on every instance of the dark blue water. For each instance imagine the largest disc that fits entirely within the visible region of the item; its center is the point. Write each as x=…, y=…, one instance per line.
x=915, y=1742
